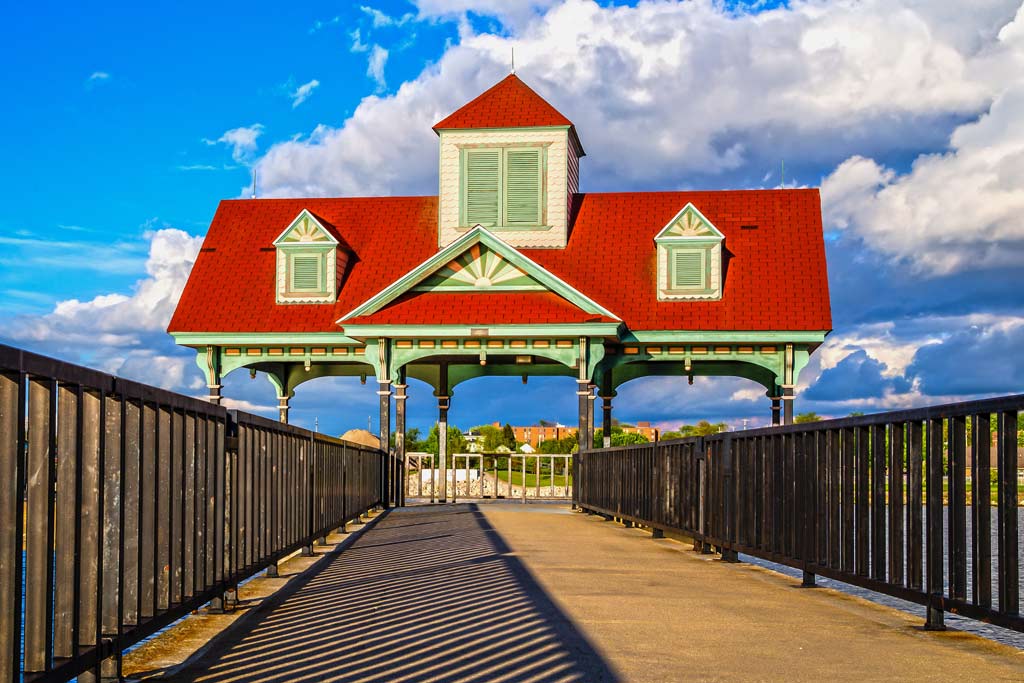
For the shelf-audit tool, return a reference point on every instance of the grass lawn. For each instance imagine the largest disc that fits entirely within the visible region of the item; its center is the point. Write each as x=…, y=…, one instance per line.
x=531, y=479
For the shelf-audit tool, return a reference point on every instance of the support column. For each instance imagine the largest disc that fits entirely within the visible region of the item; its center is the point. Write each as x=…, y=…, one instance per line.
x=606, y=421
x=384, y=392
x=442, y=449
x=776, y=411
x=582, y=392
x=787, y=405
x=282, y=409
x=591, y=422
x=213, y=374
x=403, y=467
x=788, y=385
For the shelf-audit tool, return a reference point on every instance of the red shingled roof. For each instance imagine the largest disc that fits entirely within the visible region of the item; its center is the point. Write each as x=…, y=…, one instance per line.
x=775, y=276
x=508, y=104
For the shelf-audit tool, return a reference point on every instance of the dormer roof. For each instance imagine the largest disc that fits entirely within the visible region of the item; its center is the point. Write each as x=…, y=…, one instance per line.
x=508, y=104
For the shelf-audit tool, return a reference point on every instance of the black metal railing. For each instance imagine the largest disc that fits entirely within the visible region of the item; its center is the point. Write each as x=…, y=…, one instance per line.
x=124, y=507
x=879, y=501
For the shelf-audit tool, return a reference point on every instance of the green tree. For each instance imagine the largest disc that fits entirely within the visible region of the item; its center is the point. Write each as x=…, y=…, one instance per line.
x=456, y=441
x=703, y=428
x=619, y=437
x=567, y=444
x=508, y=437
x=804, y=418
x=492, y=437
x=412, y=439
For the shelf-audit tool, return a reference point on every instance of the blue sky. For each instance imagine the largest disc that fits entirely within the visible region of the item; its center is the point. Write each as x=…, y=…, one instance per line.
x=130, y=122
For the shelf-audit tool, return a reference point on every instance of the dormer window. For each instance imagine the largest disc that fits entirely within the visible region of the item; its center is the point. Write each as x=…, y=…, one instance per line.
x=503, y=187
x=308, y=262
x=689, y=258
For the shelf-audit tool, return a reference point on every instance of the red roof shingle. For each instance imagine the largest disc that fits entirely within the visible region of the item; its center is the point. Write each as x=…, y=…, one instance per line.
x=508, y=104
x=774, y=276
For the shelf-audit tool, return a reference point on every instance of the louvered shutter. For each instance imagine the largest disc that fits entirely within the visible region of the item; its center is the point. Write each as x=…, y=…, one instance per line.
x=522, y=187
x=687, y=270
x=483, y=185
x=306, y=273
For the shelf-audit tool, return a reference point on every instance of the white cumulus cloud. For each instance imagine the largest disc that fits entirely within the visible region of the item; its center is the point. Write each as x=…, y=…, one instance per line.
x=302, y=93
x=668, y=95
x=375, y=67
x=241, y=141
x=121, y=333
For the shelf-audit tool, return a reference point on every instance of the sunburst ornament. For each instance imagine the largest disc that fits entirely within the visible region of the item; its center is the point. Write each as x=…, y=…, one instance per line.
x=305, y=229
x=690, y=224
x=479, y=268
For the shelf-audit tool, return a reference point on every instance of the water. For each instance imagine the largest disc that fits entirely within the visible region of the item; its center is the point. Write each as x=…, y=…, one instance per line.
x=1001, y=635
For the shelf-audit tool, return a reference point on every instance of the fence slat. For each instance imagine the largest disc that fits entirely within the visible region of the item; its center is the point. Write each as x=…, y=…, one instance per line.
x=12, y=489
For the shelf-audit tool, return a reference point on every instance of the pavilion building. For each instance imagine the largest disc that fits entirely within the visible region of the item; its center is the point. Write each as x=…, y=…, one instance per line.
x=511, y=270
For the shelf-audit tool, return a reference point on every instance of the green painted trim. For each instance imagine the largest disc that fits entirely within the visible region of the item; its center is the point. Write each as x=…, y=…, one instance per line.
x=704, y=250
x=440, y=131
x=501, y=223
x=696, y=241
x=473, y=290
x=566, y=357
x=503, y=228
x=321, y=256
x=730, y=368
x=448, y=331
x=479, y=234
x=724, y=336
x=261, y=338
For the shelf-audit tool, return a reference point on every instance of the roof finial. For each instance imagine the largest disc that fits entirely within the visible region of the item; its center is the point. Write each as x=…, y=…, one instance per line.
x=513, y=60
x=783, y=174
x=254, y=183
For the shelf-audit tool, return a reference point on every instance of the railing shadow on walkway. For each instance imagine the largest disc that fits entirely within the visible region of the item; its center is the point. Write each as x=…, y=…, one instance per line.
x=429, y=593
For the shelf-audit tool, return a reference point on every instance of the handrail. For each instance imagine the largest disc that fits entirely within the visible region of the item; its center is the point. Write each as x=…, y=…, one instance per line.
x=124, y=507
x=858, y=499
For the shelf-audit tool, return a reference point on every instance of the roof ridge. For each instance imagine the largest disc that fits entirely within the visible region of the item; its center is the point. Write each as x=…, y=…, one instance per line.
x=509, y=103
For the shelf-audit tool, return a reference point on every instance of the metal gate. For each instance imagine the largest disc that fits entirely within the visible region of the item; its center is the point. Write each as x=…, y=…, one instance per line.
x=512, y=476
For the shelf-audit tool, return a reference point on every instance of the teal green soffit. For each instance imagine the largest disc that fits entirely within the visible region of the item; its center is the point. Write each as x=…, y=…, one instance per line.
x=484, y=331
x=253, y=338
x=477, y=235
x=709, y=336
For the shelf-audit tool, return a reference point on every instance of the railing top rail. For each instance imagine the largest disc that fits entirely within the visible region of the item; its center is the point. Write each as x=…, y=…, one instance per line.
x=249, y=420
x=35, y=365
x=998, y=404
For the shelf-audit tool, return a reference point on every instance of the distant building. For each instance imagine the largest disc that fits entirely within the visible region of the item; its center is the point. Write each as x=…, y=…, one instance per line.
x=534, y=434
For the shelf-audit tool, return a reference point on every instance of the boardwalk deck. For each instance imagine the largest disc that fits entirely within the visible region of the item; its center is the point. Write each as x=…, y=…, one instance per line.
x=507, y=592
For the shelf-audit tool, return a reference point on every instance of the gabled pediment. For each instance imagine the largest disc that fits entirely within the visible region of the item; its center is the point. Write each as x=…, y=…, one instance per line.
x=478, y=263
x=481, y=269
x=305, y=230
x=689, y=224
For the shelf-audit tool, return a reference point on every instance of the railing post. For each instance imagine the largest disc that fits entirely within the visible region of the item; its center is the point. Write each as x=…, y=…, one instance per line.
x=933, y=526
x=703, y=461
x=729, y=553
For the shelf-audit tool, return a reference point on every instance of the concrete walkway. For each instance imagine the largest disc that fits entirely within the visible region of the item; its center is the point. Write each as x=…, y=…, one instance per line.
x=511, y=592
